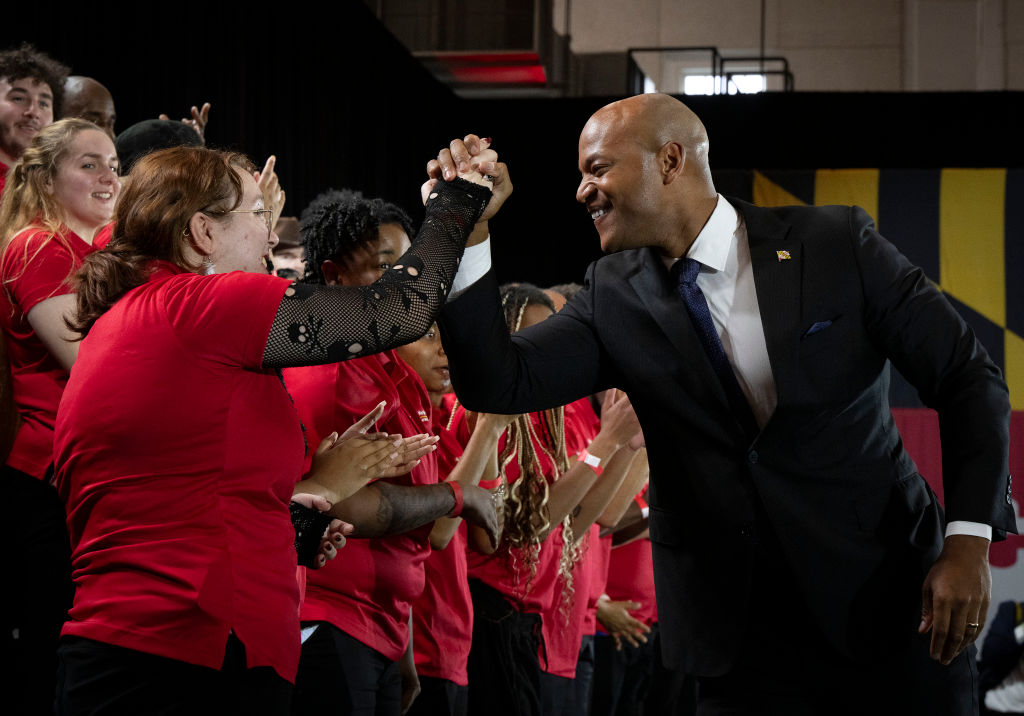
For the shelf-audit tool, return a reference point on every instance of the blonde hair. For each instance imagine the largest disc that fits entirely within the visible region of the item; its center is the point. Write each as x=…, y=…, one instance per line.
x=28, y=200
x=526, y=512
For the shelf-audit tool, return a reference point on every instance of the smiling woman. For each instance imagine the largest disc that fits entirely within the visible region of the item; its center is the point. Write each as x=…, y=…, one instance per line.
x=178, y=451
x=58, y=197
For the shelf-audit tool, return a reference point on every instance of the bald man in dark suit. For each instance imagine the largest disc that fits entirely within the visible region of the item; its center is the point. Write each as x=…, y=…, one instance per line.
x=802, y=565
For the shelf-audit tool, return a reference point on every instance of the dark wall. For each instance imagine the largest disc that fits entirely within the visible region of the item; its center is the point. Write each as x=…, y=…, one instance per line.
x=342, y=103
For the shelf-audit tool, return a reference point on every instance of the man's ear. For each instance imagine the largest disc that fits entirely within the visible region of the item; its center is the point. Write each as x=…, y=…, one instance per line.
x=200, y=233
x=671, y=158
x=330, y=271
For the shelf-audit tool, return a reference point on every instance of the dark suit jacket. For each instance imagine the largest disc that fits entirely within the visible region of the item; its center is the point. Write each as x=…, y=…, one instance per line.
x=857, y=523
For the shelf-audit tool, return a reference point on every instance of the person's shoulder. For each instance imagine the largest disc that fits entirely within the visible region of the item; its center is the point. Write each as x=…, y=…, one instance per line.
x=625, y=262
x=794, y=212
x=32, y=238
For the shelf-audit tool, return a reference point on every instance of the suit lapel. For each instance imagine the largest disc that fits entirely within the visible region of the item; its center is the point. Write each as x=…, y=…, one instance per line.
x=777, y=281
x=659, y=296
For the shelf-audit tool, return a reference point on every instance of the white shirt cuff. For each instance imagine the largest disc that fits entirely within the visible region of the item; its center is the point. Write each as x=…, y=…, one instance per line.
x=975, y=529
x=476, y=261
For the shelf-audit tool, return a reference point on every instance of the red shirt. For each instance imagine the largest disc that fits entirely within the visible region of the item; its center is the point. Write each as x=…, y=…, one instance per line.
x=366, y=591
x=595, y=567
x=631, y=578
x=442, y=617
x=102, y=238
x=3, y=177
x=602, y=551
x=563, y=627
x=497, y=570
x=35, y=266
x=176, y=454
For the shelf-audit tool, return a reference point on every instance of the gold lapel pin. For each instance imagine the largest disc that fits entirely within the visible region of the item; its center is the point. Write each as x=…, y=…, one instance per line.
x=783, y=255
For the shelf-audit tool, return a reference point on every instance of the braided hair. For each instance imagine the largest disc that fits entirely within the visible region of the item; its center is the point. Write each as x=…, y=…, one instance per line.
x=337, y=222
x=526, y=510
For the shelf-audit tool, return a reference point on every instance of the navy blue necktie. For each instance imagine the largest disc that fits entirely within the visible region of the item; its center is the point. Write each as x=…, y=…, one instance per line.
x=697, y=306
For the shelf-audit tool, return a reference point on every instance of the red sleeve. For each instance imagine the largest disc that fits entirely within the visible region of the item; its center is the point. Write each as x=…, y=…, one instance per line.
x=225, y=317
x=38, y=267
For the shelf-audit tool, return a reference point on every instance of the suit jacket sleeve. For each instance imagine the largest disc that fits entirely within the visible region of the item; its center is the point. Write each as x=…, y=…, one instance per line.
x=547, y=365
x=915, y=326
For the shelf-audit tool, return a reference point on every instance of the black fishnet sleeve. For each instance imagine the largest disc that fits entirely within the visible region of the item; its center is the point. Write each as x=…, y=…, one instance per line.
x=329, y=324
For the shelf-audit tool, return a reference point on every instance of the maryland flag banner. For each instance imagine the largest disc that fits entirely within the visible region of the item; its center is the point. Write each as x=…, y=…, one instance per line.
x=965, y=228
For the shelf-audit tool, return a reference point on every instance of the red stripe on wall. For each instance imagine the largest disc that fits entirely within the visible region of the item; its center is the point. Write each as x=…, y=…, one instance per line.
x=919, y=428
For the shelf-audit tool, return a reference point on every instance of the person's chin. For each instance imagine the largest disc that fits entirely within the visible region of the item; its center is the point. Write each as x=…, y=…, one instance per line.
x=609, y=244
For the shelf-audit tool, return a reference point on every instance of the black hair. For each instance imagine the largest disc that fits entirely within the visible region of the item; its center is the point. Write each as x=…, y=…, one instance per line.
x=567, y=289
x=151, y=135
x=516, y=297
x=26, y=61
x=337, y=222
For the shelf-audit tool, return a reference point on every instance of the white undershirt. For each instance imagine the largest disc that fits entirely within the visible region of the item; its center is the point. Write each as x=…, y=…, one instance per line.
x=727, y=280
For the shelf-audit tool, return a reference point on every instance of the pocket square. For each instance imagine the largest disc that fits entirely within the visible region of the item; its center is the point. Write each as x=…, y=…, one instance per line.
x=817, y=327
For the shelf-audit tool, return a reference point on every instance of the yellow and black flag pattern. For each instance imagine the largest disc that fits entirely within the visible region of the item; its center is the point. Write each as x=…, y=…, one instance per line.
x=965, y=228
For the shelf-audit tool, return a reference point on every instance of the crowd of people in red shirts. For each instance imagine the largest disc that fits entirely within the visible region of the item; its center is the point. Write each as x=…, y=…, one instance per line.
x=228, y=490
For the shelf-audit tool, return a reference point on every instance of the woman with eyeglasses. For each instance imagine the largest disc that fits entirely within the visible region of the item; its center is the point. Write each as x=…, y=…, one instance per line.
x=58, y=198
x=178, y=449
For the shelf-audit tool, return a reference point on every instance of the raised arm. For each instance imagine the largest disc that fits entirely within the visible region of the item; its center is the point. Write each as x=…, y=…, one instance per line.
x=328, y=324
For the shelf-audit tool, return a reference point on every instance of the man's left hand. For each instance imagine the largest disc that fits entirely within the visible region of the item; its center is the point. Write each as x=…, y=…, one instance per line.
x=955, y=596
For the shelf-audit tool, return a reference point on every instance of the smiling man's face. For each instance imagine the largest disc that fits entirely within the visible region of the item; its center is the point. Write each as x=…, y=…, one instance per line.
x=26, y=106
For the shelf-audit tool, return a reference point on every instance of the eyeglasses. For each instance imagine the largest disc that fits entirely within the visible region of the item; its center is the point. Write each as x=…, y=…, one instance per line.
x=267, y=214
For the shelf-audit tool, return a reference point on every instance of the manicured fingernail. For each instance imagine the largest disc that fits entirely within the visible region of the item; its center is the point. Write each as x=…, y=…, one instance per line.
x=488, y=140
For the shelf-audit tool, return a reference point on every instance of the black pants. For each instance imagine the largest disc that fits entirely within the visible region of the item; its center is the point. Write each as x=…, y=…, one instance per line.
x=578, y=701
x=440, y=697
x=787, y=665
x=340, y=675
x=504, y=670
x=673, y=692
x=554, y=694
x=621, y=678
x=98, y=679
x=38, y=593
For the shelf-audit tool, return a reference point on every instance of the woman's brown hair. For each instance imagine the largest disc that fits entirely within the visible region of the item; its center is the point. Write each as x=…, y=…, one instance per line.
x=162, y=193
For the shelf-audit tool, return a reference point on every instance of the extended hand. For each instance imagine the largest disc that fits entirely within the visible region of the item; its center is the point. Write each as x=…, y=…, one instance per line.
x=341, y=467
x=955, y=596
x=410, y=450
x=618, y=420
x=273, y=194
x=478, y=509
x=198, y=121
x=471, y=154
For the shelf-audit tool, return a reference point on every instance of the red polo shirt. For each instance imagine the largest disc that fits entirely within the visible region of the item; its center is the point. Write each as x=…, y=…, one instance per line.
x=442, y=617
x=497, y=570
x=366, y=591
x=36, y=265
x=563, y=626
x=176, y=454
